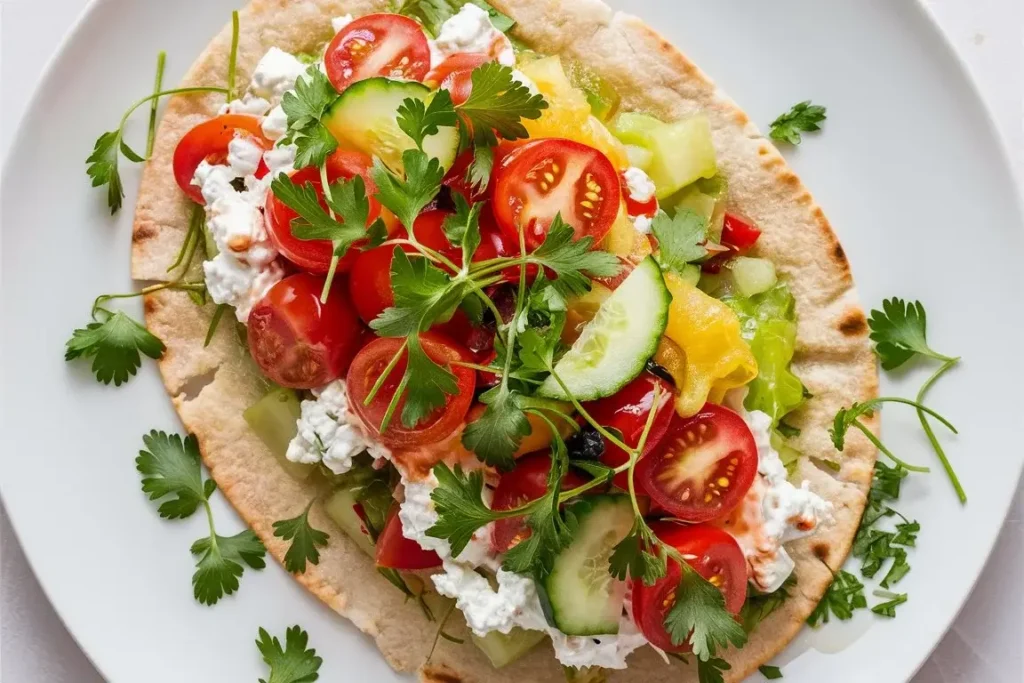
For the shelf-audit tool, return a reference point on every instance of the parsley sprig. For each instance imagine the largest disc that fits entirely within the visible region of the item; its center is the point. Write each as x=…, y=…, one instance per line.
x=681, y=239
x=171, y=470
x=293, y=663
x=305, y=540
x=850, y=417
x=304, y=108
x=803, y=117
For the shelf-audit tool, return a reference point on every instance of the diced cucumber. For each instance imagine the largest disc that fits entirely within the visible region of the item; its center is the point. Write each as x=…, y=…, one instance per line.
x=613, y=348
x=683, y=152
x=707, y=197
x=603, y=98
x=365, y=117
x=341, y=508
x=641, y=157
x=274, y=419
x=504, y=649
x=635, y=129
x=585, y=599
x=690, y=274
x=752, y=275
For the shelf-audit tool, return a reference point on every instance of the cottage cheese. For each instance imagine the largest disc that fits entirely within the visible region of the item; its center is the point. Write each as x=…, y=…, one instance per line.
x=641, y=187
x=275, y=125
x=249, y=104
x=338, y=23
x=471, y=30
x=275, y=74
x=642, y=224
x=774, y=512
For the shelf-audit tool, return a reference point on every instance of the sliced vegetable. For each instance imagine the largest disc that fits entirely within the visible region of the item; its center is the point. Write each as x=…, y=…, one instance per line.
x=377, y=45
x=706, y=197
x=209, y=141
x=343, y=509
x=502, y=649
x=395, y=551
x=274, y=419
x=752, y=275
x=683, y=152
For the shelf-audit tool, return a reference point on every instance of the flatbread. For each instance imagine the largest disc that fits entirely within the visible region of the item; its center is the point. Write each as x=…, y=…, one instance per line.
x=211, y=386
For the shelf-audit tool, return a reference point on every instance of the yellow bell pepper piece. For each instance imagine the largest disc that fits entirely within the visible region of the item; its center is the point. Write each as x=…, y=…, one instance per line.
x=717, y=358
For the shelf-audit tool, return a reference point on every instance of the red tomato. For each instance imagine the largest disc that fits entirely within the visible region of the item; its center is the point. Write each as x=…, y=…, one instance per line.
x=627, y=411
x=716, y=556
x=527, y=482
x=703, y=466
x=554, y=176
x=738, y=233
x=455, y=179
x=368, y=366
x=395, y=551
x=455, y=73
x=299, y=342
x=315, y=255
x=209, y=142
x=377, y=45
x=635, y=208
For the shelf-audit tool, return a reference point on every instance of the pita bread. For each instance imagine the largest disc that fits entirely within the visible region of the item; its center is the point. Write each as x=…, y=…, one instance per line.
x=211, y=386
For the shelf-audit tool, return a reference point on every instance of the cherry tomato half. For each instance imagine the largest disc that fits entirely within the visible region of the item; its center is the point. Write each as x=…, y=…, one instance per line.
x=388, y=45
x=455, y=74
x=716, y=556
x=368, y=366
x=209, y=142
x=315, y=255
x=703, y=466
x=527, y=482
x=547, y=177
x=299, y=342
x=627, y=412
x=395, y=551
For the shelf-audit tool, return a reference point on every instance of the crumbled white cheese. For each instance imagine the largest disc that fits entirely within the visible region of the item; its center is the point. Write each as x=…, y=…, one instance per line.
x=641, y=187
x=279, y=159
x=229, y=281
x=471, y=30
x=244, y=156
x=774, y=512
x=275, y=125
x=642, y=224
x=249, y=104
x=276, y=73
x=338, y=23
x=324, y=434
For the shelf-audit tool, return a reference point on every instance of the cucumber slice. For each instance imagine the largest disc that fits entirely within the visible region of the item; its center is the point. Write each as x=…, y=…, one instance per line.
x=365, y=117
x=753, y=275
x=707, y=197
x=585, y=599
x=504, y=649
x=683, y=152
x=615, y=345
x=340, y=507
x=641, y=157
x=635, y=129
x=274, y=419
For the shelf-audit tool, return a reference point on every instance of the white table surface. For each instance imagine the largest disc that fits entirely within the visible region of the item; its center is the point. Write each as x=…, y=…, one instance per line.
x=987, y=640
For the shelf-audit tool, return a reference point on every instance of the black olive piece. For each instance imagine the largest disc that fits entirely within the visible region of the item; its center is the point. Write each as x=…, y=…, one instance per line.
x=660, y=371
x=586, y=444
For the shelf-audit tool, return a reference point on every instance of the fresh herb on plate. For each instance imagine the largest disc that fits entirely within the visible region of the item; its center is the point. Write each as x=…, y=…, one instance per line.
x=844, y=595
x=772, y=673
x=850, y=417
x=293, y=663
x=803, y=117
x=305, y=541
x=892, y=601
x=710, y=670
x=758, y=606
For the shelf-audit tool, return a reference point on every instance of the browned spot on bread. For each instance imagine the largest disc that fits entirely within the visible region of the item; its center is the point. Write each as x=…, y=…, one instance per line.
x=143, y=232
x=440, y=676
x=150, y=305
x=853, y=323
x=838, y=254
x=821, y=551
x=764, y=149
x=741, y=117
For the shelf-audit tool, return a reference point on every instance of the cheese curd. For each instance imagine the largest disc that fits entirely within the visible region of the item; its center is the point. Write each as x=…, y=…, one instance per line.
x=338, y=23
x=275, y=74
x=471, y=30
x=249, y=104
x=642, y=224
x=275, y=125
x=641, y=187
x=774, y=512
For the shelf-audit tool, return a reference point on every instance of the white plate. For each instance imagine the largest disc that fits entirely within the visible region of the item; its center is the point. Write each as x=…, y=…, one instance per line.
x=908, y=169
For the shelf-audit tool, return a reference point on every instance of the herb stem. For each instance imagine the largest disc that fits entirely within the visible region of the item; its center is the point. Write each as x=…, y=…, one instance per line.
x=880, y=446
x=384, y=375
x=161, y=60
x=916, y=404
x=393, y=405
x=586, y=416
x=946, y=465
x=334, y=244
x=233, y=57
x=174, y=284
x=164, y=93
x=191, y=243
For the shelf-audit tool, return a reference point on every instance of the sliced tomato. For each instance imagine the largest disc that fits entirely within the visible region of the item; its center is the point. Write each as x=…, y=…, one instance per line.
x=716, y=556
x=635, y=208
x=429, y=231
x=388, y=45
x=703, y=466
x=527, y=482
x=395, y=551
x=455, y=73
x=738, y=233
x=550, y=177
x=299, y=342
x=209, y=142
x=627, y=412
x=315, y=255
x=367, y=368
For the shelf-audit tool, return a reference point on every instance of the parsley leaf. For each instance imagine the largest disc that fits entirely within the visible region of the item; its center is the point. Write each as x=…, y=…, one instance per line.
x=459, y=506
x=899, y=331
x=495, y=436
x=293, y=663
x=304, y=108
x=463, y=227
x=802, y=117
x=406, y=198
x=478, y=175
x=844, y=595
x=497, y=105
x=219, y=563
x=772, y=673
x=433, y=13
x=700, y=618
x=102, y=168
x=428, y=386
x=313, y=148
x=551, y=530
x=850, y=417
x=888, y=609
x=710, y=671
x=572, y=260
x=419, y=120
x=634, y=556
x=681, y=239
x=171, y=467
x=422, y=294
x=114, y=345
x=759, y=606
x=305, y=540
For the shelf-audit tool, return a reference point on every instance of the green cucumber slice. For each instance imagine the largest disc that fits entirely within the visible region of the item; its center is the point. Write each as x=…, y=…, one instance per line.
x=365, y=117
x=617, y=343
x=585, y=599
x=504, y=649
x=683, y=153
x=274, y=419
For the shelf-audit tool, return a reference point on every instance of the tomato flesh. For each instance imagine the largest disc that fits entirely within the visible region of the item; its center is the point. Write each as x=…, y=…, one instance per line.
x=627, y=412
x=703, y=466
x=209, y=142
x=455, y=73
x=368, y=366
x=315, y=255
x=738, y=233
x=388, y=45
x=716, y=557
x=527, y=482
x=299, y=342
x=395, y=551
x=545, y=178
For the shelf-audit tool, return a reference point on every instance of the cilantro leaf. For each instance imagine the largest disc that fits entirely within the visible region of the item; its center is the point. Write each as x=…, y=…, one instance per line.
x=407, y=197
x=305, y=540
x=429, y=384
x=419, y=120
x=900, y=567
x=347, y=198
x=114, y=345
x=633, y=557
x=293, y=663
x=551, y=529
x=304, y=108
x=572, y=260
x=700, y=618
x=463, y=227
x=497, y=105
x=171, y=467
x=459, y=506
x=313, y=148
x=495, y=436
x=102, y=168
x=906, y=533
x=802, y=117
x=478, y=175
x=888, y=608
x=423, y=294
x=772, y=673
x=844, y=595
x=899, y=331
x=219, y=563
x=681, y=239
x=710, y=671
